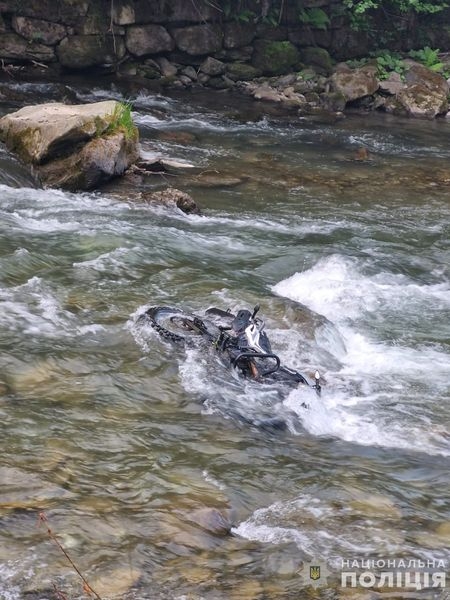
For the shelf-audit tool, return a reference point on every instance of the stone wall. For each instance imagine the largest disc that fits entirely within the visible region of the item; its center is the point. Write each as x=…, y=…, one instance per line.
x=170, y=39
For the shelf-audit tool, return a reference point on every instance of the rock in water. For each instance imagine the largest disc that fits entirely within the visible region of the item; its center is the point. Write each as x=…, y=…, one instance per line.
x=74, y=147
x=172, y=196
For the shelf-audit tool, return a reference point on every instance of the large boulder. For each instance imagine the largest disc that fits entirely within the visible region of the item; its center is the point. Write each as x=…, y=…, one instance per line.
x=423, y=94
x=420, y=74
x=426, y=94
x=393, y=84
x=240, y=71
x=15, y=47
x=98, y=161
x=275, y=57
x=37, y=30
x=212, y=66
x=198, y=40
x=420, y=101
x=72, y=146
x=318, y=58
x=238, y=34
x=62, y=11
x=148, y=39
x=123, y=12
x=355, y=83
x=83, y=51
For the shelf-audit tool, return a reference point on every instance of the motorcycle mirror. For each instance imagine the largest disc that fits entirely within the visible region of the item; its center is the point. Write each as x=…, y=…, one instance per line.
x=317, y=385
x=255, y=310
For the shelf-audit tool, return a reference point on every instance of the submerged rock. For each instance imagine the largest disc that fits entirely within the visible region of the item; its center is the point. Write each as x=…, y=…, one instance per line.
x=116, y=583
x=172, y=196
x=4, y=388
x=212, y=520
x=75, y=147
x=374, y=505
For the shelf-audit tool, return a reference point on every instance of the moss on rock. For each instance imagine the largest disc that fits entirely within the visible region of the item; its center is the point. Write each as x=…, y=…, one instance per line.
x=274, y=57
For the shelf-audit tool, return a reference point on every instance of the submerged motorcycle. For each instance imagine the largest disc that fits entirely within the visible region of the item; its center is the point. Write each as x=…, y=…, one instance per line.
x=239, y=338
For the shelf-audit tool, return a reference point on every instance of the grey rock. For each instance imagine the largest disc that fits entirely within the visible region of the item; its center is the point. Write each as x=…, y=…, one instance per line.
x=198, y=40
x=419, y=74
x=420, y=101
x=212, y=66
x=239, y=71
x=148, y=39
x=13, y=46
x=123, y=12
x=275, y=57
x=98, y=161
x=81, y=51
x=37, y=30
x=70, y=146
x=172, y=196
x=237, y=35
x=393, y=84
x=167, y=68
x=318, y=58
x=190, y=72
x=355, y=83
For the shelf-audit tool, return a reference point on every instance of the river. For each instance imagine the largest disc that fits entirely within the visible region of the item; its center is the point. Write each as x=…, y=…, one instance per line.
x=137, y=450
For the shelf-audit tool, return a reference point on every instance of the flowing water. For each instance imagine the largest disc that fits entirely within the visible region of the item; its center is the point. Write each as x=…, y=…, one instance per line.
x=141, y=454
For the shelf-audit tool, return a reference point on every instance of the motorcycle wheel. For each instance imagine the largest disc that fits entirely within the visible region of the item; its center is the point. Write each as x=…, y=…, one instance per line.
x=175, y=325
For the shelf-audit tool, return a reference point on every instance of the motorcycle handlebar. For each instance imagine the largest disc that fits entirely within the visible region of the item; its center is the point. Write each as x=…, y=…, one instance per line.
x=255, y=311
x=242, y=355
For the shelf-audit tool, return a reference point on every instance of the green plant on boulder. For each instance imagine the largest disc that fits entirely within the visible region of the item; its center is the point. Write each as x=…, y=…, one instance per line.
x=122, y=120
x=428, y=57
x=389, y=62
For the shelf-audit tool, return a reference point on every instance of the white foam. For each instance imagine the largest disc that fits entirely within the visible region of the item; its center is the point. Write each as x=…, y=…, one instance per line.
x=321, y=535
x=11, y=574
x=35, y=308
x=335, y=287
x=385, y=392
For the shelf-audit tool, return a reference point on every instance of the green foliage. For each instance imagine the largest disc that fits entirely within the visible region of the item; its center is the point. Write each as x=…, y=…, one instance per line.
x=122, y=120
x=364, y=15
x=388, y=62
x=314, y=17
x=422, y=6
x=245, y=16
x=356, y=63
x=428, y=57
x=237, y=10
x=272, y=18
x=360, y=7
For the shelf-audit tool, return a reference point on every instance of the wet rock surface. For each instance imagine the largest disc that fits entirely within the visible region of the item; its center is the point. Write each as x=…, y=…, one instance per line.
x=174, y=197
x=74, y=147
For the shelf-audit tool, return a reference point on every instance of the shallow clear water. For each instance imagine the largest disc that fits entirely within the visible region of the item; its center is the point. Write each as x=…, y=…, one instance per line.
x=131, y=446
